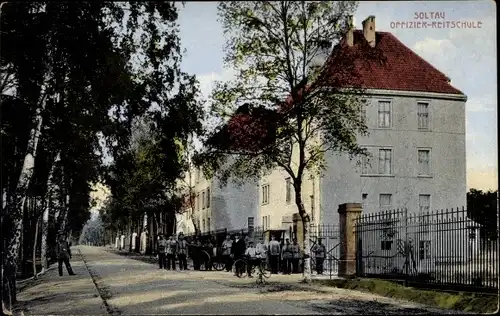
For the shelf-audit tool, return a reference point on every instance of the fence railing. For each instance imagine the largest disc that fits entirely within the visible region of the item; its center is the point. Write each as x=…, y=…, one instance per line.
x=441, y=248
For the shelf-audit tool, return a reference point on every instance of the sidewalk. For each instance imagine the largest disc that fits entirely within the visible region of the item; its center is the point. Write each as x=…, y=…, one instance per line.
x=52, y=294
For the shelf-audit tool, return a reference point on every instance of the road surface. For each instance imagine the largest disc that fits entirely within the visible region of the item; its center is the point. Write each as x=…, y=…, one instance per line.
x=126, y=286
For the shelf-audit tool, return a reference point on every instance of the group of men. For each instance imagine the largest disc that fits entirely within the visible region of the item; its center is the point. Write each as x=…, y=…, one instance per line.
x=287, y=254
x=169, y=250
x=283, y=258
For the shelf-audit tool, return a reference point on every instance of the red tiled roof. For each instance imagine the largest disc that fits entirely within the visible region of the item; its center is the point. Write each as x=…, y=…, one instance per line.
x=390, y=65
x=402, y=69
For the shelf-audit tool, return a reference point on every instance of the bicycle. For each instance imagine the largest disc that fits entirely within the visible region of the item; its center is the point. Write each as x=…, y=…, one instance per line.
x=263, y=269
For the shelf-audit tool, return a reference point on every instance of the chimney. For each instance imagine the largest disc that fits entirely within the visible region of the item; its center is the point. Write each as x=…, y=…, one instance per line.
x=369, y=30
x=350, y=31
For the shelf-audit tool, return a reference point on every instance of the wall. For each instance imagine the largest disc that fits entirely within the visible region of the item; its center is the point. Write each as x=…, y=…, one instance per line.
x=343, y=182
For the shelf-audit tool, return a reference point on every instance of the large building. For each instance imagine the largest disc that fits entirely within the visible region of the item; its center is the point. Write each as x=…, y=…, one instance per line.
x=416, y=125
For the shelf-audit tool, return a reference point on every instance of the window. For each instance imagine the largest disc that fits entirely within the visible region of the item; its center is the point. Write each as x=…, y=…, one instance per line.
x=265, y=194
x=424, y=203
x=198, y=175
x=386, y=245
x=424, y=249
x=384, y=161
x=424, y=156
x=312, y=207
x=288, y=190
x=266, y=221
x=208, y=224
x=385, y=201
x=423, y=115
x=208, y=197
x=203, y=200
x=198, y=201
x=203, y=227
x=384, y=114
x=250, y=223
x=363, y=113
x=366, y=164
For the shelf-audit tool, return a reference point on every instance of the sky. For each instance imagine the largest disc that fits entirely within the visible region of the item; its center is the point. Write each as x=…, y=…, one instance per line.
x=467, y=56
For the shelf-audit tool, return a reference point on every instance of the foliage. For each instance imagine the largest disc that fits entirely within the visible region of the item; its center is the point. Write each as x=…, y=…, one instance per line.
x=282, y=110
x=93, y=232
x=482, y=207
x=89, y=69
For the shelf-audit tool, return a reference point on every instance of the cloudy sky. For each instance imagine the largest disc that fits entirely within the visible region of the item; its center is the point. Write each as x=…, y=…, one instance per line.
x=467, y=56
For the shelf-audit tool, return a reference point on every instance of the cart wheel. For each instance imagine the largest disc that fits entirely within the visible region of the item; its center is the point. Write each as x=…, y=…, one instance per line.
x=242, y=265
x=205, y=260
x=219, y=266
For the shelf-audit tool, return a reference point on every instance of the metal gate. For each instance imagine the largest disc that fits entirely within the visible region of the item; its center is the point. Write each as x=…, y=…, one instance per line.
x=330, y=237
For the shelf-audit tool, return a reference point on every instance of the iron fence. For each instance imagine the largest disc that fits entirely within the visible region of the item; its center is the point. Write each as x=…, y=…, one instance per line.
x=441, y=248
x=330, y=237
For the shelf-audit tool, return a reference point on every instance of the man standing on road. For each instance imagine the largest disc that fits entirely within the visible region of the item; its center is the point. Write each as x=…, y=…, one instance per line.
x=295, y=256
x=171, y=250
x=274, y=251
x=226, y=252
x=182, y=252
x=287, y=257
x=261, y=248
x=162, y=248
x=251, y=255
x=63, y=252
x=319, y=254
x=238, y=251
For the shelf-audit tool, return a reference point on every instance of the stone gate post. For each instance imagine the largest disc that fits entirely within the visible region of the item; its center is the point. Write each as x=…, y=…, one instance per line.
x=348, y=214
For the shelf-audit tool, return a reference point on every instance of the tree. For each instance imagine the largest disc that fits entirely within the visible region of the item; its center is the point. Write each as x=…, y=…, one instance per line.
x=70, y=65
x=482, y=207
x=285, y=109
x=187, y=186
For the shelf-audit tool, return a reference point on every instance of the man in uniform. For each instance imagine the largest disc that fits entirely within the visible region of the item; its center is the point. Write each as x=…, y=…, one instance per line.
x=319, y=254
x=238, y=250
x=261, y=248
x=171, y=250
x=162, y=248
x=182, y=252
x=287, y=257
x=196, y=249
x=274, y=252
x=295, y=256
x=63, y=252
x=252, y=260
x=226, y=252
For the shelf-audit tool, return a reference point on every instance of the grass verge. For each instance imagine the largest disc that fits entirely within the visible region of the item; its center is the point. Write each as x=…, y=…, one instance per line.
x=467, y=302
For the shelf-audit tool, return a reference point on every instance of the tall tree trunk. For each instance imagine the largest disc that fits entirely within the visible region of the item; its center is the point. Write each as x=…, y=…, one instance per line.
x=306, y=232
x=15, y=209
x=45, y=216
x=35, y=242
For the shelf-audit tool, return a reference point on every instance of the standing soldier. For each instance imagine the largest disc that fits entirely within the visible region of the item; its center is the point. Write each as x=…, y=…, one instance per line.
x=238, y=251
x=182, y=252
x=162, y=248
x=261, y=248
x=63, y=252
x=295, y=256
x=196, y=254
x=274, y=251
x=251, y=255
x=171, y=250
x=319, y=254
x=287, y=257
x=226, y=252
